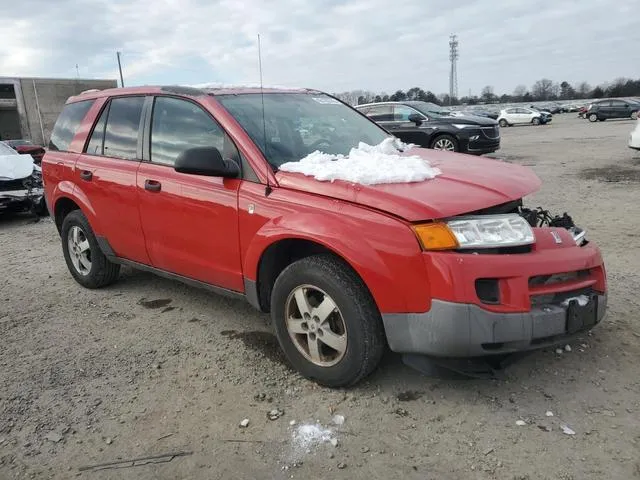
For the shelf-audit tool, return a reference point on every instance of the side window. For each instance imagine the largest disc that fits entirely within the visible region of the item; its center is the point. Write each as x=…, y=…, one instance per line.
x=401, y=113
x=381, y=113
x=67, y=125
x=618, y=103
x=96, y=142
x=121, y=132
x=512, y=110
x=178, y=125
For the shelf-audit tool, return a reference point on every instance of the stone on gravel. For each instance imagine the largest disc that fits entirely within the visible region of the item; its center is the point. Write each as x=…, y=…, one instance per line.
x=559, y=351
x=334, y=442
x=567, y=430
x=108, y=440
x=53, y=437
x=244, y=423
x=338, y=419
x=567, y=348
x=521, y=423
x=275, y=414
x=549, y=413
x=342, y=465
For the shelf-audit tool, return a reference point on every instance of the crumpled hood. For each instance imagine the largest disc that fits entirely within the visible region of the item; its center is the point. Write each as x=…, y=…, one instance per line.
x=14, y=167
x=467, y=184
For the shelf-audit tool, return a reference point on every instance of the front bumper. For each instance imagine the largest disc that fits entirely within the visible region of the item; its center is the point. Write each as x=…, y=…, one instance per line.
x=480, y=141
x=467, y=330
x=20, y=198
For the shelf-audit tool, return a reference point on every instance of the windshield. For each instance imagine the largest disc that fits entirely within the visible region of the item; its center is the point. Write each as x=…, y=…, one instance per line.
x=298, y=124
x=6, y=149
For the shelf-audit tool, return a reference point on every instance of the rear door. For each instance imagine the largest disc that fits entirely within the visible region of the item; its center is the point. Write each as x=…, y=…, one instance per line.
x=620, y=109
x=605, y=109
x=190, y=222
x=106, y=175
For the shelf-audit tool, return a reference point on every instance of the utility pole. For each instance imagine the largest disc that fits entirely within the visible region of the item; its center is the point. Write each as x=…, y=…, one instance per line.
x=120, y=68
x=453, y=75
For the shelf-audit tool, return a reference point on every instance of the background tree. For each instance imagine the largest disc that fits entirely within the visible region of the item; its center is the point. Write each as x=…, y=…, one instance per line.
x=542, y=89
x=487, y=94
x=566, y=91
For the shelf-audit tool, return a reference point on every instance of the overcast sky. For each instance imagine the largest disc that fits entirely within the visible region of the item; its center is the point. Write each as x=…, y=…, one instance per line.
x=332, y=45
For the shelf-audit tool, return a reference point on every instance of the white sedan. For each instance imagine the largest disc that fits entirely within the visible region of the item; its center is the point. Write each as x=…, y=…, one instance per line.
x=634, y=138
x=520, y=115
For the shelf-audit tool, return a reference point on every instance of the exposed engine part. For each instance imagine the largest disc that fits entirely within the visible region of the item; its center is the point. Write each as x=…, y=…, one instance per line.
x=539, y=217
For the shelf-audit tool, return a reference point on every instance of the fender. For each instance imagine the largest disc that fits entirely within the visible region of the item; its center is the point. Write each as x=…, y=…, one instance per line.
x=67, y=189
x=382, y=250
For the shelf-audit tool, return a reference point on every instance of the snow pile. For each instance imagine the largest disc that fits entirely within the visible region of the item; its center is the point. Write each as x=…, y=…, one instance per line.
x=366, y=164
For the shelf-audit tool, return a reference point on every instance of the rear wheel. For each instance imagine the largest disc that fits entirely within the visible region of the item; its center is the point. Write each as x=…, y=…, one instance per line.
x=86, y=262
x=593, y=117
x=536, y=121
x=326, y=321
x=503, y=123
x=448, y=143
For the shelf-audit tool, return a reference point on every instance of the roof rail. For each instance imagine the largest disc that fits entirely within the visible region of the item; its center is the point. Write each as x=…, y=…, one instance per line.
x=91, y=90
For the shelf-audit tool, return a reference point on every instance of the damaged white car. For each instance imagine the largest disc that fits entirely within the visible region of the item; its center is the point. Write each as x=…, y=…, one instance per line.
x=21, y=186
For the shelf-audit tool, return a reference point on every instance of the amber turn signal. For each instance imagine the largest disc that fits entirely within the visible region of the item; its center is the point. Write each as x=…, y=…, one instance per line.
x=435, y=236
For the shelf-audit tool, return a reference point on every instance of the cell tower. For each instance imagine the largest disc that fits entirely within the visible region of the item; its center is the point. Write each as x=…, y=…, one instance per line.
x=453, y=75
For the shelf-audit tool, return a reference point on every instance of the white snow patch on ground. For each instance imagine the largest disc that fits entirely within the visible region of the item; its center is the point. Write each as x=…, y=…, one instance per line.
x=366, y=164
x=306, y=438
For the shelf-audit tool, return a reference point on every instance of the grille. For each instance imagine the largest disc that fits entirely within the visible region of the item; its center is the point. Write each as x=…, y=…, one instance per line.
x=11, y=185
x=491, y=132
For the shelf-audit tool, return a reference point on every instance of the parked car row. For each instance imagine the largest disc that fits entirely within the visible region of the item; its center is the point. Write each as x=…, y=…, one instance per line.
x=429, y=126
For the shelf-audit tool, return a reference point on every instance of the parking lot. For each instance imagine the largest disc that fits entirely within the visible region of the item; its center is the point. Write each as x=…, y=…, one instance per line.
x=152, y=368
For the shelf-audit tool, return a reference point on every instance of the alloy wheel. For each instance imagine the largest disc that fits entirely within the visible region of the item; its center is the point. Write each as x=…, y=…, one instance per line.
x=316, y=326
x=79, y=250
x=444, y=144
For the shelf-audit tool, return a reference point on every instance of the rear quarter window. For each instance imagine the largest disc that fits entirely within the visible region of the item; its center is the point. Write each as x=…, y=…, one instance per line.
x=67, y=124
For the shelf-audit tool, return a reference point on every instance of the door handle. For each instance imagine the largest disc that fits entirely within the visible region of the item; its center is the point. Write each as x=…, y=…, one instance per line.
x=152, y=185
x=86, y=175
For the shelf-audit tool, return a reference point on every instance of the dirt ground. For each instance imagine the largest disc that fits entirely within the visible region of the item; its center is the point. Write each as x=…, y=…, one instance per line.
x=149, y=367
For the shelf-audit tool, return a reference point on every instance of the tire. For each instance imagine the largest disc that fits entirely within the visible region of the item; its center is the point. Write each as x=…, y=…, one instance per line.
x=446, y=143
x=354, y=320
x=535, y=121
x=503, y=123
x=593, y=117
x=87, y=264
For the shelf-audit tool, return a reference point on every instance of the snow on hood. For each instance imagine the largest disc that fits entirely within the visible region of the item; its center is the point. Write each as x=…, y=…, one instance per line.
x=13, y=167
x=466, y=184
x=366, y=165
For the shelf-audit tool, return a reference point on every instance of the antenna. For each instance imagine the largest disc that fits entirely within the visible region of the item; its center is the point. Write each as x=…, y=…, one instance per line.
x=267, y=190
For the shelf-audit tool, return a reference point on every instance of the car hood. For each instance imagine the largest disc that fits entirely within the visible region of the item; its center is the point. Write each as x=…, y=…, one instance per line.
x=466, y=184
x=13, y=167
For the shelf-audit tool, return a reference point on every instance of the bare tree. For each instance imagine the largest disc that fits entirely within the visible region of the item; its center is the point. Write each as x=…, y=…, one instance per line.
x=487, y=93
x=583, y=89
x=520, y=91
x=542, y=89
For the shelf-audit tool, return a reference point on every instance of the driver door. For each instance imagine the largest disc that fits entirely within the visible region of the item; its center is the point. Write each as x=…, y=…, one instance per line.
x=190, y=222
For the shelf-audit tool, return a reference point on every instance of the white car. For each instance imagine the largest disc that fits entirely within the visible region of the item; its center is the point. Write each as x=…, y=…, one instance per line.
x=520, y=115
x=634, y=138
x=20, y=182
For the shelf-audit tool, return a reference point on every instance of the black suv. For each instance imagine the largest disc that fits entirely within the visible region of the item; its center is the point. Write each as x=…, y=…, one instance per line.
x=416, y=122
x=603, y=109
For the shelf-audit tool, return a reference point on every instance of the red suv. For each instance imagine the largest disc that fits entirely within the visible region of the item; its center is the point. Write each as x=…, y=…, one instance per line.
x=186, y=183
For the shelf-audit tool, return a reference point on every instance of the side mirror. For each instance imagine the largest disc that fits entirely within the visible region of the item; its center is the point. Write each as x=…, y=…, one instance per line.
x=415, y=118
x=206, y=161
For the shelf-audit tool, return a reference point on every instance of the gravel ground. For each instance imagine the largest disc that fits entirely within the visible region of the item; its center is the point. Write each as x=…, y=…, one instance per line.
x=149, y=367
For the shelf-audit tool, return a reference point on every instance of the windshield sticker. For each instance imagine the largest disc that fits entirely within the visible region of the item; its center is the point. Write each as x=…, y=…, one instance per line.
x=326, y=100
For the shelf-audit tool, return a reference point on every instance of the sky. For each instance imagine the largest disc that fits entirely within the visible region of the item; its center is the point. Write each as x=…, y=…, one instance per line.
x=330, y=45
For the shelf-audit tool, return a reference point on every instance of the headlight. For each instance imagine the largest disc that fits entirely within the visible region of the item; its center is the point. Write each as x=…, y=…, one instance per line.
x=487, y=231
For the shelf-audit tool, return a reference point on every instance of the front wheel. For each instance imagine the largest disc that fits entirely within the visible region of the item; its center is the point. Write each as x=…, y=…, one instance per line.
x=447, y=143
x=86, y=262
x=593, y=117
x=503, y=123
x=536, y=121
x=326, y=321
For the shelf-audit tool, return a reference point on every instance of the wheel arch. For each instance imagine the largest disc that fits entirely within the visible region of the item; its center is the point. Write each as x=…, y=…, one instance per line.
x=68, y=198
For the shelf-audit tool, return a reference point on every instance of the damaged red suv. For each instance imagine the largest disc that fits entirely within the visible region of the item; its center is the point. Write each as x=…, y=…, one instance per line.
x=187, y=183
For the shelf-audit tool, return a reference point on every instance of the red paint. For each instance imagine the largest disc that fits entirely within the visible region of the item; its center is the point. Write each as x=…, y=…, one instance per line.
x=216, y=230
